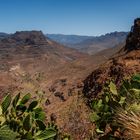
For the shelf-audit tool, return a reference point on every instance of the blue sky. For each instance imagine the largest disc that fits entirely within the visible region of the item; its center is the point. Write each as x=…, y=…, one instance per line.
x=83, y=17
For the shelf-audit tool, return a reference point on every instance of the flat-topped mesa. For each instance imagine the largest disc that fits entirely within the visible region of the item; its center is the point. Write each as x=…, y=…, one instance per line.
x=133, y=38
x=29, y=37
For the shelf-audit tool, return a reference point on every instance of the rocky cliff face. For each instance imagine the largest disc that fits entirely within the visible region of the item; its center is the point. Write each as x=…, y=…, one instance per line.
x=26, y=38
x=125, y=63
x=133, y=39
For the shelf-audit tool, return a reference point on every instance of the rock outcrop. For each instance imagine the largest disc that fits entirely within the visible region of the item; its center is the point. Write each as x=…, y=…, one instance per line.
x=28, y=34
x=133, y=39
x=26, y=38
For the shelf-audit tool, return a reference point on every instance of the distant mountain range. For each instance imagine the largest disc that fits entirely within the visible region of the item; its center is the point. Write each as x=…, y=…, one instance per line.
x=68, y=40
x=3, y=35
x=90, y=44
x=86, y=44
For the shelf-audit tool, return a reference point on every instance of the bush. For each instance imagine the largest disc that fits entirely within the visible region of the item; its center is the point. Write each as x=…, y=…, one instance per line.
x=23, y=119
x=106, y=109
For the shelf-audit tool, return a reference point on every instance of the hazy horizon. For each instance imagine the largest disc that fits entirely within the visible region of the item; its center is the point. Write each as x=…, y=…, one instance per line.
x=74, y=17
x=65, y=34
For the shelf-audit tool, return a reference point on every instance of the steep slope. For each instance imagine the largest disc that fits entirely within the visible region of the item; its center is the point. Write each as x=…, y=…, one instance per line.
x=125, y=63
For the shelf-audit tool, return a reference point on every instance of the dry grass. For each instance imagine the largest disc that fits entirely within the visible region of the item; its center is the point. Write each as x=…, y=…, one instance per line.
x=131, y=122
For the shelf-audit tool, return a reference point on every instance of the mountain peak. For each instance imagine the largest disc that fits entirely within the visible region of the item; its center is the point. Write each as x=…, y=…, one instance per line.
x=29, y=37
x=133, y=38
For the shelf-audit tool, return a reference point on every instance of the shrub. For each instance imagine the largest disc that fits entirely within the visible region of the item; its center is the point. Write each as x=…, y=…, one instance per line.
x=105, y=108
x=21, y=119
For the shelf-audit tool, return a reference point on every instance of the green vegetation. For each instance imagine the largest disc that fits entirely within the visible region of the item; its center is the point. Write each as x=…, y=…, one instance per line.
x=112, y=102
x=23, y=119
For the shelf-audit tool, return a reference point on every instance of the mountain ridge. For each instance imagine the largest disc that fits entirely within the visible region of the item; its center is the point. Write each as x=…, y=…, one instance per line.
x=92, y=44
x=86, y=44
